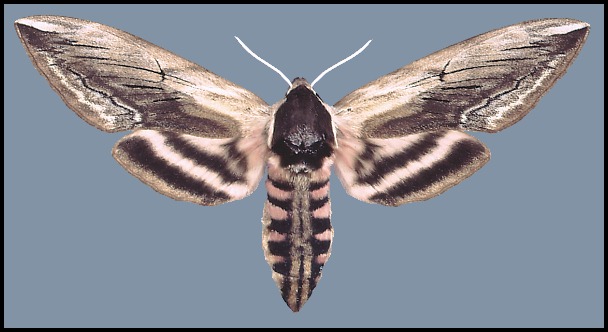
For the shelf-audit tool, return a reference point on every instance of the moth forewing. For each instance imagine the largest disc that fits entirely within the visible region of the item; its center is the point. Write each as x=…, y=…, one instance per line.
x=485, y=83
x=116, y=81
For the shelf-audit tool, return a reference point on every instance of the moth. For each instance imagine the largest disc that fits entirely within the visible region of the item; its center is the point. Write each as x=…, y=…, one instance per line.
x=197, y=137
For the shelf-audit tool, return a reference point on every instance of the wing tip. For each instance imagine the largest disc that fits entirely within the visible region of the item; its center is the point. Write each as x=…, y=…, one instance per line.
x=28, y=20
x=38, y=22
x=566, y=26
x=50, y=23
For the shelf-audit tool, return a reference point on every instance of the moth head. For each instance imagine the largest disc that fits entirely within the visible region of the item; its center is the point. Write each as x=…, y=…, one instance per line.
x=297, y=82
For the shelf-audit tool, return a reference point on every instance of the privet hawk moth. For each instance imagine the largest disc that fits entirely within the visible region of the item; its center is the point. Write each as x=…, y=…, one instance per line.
x=198, y=137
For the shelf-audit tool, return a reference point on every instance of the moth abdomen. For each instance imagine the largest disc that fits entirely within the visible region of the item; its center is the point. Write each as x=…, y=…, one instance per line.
x=297, y=230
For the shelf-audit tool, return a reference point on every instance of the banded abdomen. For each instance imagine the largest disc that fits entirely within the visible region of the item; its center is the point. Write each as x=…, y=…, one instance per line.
x=297, y=230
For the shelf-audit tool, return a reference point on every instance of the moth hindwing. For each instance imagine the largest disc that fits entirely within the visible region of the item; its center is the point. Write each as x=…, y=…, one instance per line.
x=198, y=137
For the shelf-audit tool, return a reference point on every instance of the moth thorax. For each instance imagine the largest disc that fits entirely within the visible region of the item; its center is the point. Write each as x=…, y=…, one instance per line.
x=302, y=135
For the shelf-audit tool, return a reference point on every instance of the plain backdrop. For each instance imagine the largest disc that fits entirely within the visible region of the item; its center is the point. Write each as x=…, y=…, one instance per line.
x=519, y=244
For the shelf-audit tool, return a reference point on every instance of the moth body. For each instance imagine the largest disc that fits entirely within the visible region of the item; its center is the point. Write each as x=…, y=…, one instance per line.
x=297, y=230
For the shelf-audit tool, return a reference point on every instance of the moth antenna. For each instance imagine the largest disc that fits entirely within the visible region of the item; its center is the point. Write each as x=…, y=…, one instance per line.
x=263, y=61
x=340, y=63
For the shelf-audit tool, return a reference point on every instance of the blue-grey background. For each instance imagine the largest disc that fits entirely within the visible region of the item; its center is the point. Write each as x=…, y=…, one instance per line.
x=520, y=243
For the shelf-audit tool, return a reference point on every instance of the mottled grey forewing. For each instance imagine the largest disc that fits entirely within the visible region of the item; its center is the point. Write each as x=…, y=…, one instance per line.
x=485, y=83
x=116, y=81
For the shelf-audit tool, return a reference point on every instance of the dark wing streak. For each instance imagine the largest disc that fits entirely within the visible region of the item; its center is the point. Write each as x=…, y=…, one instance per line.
x=443, y=73
x=460, y=87
x=125, y=78
x=468, y=68
x=139, y=86
x=163, y=75
x=160, y=73
x=89, y=57
x=83, y=81
x=521, y=47
x=509, y=59
x=482, y=79
x=490, y=99
x=166, y=99
x=422, y=80
x=436, y=99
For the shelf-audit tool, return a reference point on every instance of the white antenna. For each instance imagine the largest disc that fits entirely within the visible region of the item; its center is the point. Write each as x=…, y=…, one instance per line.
x=339, y=63
x=264, y=61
